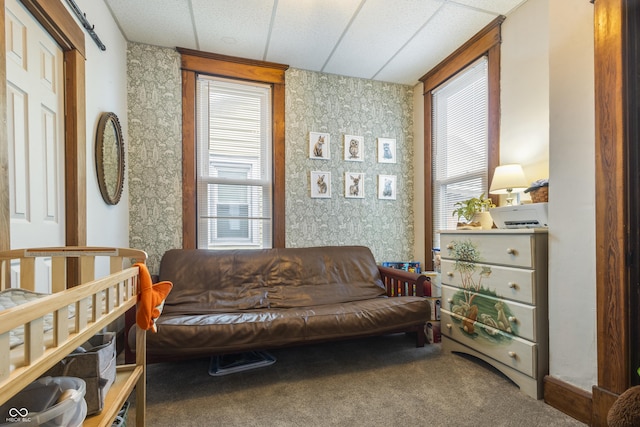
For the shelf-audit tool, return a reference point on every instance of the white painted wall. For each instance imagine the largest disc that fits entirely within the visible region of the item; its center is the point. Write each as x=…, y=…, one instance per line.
x=572, y=249
x=524, y=89
x=547, y=125
x=106, y=91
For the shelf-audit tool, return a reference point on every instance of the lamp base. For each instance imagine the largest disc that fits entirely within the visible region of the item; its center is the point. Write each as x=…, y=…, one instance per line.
x=509, y=197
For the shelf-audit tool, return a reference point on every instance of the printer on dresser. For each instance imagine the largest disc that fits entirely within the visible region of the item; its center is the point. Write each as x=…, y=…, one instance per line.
x=494, y=300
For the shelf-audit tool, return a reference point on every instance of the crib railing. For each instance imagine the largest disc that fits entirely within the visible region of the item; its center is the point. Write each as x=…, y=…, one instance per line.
x=95, y=304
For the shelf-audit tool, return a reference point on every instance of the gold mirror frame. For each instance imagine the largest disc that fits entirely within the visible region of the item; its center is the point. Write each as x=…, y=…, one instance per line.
x=110, y=158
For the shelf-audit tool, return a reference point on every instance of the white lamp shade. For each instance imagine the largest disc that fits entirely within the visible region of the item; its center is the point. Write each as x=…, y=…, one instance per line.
x=507, y=179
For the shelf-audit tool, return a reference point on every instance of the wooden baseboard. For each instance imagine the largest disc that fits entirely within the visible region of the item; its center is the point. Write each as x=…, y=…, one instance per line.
x=569, y=399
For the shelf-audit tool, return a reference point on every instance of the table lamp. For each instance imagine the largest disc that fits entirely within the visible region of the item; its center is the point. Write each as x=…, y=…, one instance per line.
x=508, y=179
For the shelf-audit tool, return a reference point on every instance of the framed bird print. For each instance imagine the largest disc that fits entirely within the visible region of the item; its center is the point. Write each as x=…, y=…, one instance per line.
x=354, y=148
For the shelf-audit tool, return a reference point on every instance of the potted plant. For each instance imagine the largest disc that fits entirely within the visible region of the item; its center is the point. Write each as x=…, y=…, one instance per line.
x=475, y=212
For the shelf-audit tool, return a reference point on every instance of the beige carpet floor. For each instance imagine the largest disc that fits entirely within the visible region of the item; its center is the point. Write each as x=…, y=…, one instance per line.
x=381, y=381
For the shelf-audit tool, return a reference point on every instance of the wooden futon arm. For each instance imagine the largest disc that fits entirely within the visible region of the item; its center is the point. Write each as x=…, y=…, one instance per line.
x=402, y=283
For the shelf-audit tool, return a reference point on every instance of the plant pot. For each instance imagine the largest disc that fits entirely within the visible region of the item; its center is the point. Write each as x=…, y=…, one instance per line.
x=485, y=220
x=469, y=226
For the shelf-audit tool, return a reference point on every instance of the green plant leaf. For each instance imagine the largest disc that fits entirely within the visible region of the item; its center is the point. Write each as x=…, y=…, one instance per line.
x=468, y=208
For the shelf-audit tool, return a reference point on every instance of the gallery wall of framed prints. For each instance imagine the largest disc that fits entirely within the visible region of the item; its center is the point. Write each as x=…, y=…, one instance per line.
x=354, y=150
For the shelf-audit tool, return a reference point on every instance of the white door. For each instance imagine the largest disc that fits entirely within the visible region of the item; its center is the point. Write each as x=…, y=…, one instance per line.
x=35, y=130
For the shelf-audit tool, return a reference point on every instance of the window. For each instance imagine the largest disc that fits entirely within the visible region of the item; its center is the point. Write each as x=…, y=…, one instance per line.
x=459, y=141
x=228, y=210
x=462, y=128
x=233, y=162
x=234, y=189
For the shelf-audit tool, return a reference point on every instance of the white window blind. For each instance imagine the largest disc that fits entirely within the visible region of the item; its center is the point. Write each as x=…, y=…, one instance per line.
x=234, y=164
x=460, y=119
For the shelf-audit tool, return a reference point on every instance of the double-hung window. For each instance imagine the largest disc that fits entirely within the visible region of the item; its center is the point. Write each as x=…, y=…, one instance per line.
x=460, y=141
x=462, y=128
x=234, y=165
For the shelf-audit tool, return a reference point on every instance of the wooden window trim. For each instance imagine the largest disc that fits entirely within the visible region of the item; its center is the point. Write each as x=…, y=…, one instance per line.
x=486, y=42
x=195, y=62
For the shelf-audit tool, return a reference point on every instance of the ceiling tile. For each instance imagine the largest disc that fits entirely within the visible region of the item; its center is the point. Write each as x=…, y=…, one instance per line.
x=501, y=7
x=396, y=41
x=434, y=43
x=380, y=29
x=231, y=27
x=306, y=31
x=141, y=23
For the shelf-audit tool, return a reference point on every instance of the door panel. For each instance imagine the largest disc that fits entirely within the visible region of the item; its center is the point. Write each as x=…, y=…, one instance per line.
x=35, y=113
x=35, y=133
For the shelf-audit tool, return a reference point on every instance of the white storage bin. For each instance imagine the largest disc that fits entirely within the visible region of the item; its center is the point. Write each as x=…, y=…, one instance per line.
x=37, y=404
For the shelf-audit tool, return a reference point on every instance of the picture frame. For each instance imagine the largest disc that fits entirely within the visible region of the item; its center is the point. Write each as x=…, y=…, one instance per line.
x=386, y=150
x=319, y=145
x=354, y=185
x=387, y=187
x=320, y=184
x=354, y=148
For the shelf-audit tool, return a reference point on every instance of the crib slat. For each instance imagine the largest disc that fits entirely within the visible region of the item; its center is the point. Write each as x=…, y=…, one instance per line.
x=109, y=299
x=33, y=340
x=87, y=268
x=120, y=293
x=60, y=326
x=5, y=277
x=58, y=274
x=27, y=274
x=95, y=307
x=5, y=356
x=81, y=316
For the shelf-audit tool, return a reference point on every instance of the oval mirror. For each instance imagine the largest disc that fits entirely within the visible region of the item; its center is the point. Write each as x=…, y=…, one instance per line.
x=110, y=158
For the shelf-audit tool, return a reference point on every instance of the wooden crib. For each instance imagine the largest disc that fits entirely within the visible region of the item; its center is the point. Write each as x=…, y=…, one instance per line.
x=72, y=315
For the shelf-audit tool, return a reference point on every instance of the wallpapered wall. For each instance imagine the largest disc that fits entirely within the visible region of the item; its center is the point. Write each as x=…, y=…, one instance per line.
x=154, y=99
x=339, y=105
x=315, y=102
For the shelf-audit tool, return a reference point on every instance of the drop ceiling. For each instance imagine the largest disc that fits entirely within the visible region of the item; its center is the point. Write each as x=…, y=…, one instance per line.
x=388, y=40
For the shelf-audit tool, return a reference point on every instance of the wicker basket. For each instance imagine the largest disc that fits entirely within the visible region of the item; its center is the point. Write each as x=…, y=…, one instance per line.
x=540, y=194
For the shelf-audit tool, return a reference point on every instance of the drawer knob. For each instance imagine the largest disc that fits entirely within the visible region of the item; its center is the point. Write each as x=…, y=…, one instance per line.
x=513, y=319
x=512, y=251
x=450, y=300
x=513, y=285
x=449, y=326
x=450, y=246
x=450, y=273
x=512, y=354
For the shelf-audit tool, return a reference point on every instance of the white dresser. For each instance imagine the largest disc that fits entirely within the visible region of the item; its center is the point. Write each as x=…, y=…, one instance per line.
x=494, y=301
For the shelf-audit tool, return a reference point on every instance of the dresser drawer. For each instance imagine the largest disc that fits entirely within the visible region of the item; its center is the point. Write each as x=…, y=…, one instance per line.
x=511, y=283
x=512, y=351
x=496, y=313
x=511, y=250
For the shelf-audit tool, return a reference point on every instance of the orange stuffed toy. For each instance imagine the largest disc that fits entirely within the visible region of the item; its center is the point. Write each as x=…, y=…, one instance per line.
x=150, y=299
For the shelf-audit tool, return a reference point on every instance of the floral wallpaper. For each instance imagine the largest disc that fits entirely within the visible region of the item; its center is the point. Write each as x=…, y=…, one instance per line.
x=155, y=150
x=315, y=102
x=339, y=105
